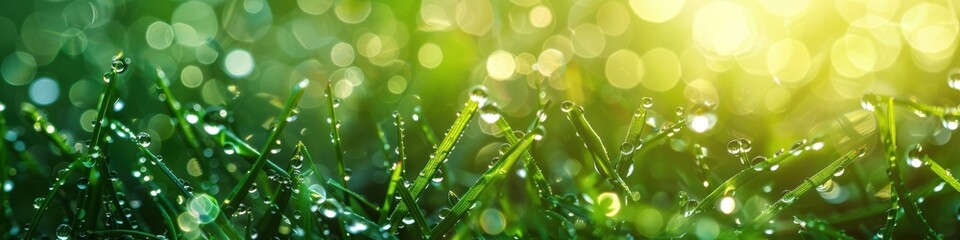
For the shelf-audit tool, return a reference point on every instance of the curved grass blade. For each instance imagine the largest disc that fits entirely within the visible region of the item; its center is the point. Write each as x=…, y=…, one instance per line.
x=269, y=224
x=414, y=209
x=678, y=225
x=595, y=146
x=240, y=191
x=172, y=229
x=498, y=171
x=248, y=152
x=398, y=169
x=439, y=156
x=364, y=202
x=70, y=170
x=888, y=137
x=808, y=184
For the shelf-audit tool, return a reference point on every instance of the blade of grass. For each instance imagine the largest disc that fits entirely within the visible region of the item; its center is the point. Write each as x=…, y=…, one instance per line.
x=942, y=173
x=110, y=234
x=169, y=222
x=239, y=192
x=305, y=200
x=335, y=134
x=49, y=131
x=498, y=171
x=363, y=201
x=414, y=209
x=269, y=224
x=4, y=218
x=439, y=156
x=248, y=152
x=634, y=134
x=221, y=225
x=808, y=184
x=420, y=119
x=179, y=119
x=529, y=164
x=678, y=226
x=595, y=146
x=397, y=172
x=813, y=225
x=887, y=123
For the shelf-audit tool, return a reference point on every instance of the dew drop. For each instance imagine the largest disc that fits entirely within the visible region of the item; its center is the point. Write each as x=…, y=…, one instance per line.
x=950, y=121
x=408, y=220
x=689, y=208
x=294, y=114
x=745, y=145
x=788, y=197
x=107, y=76
x=566, y=106
x=489, y=113
x=734, y=146
x=953, y=80
x=838, y=172
x=82, y=183
x=647, y=102
x=915, y=156
x=757, y=163
x=37, y=202
x=479, y=94
x=626, y=148
x=143, y=139
x=63, y=231
x=120, y=65
x=679, y=111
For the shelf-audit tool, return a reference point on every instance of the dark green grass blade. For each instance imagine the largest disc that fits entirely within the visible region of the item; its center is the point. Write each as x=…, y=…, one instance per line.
x=498, y=171
x=248, y=152
x=174, y=107
x=438, y=158
x=335, y=134
x=111, y=234
x=808, y=184
x=171, y=228
x=817, y=226
x=411, y=204
x=4, y=218
x=269, y=224
x=347, y=192
x=903, y=198
x=595, y=146
x=679, y=225
x=396, y=177
x=239, y=193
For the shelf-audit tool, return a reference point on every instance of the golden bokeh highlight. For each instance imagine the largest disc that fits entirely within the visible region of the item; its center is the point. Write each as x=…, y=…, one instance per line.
x=661, y=70
x=724, y=29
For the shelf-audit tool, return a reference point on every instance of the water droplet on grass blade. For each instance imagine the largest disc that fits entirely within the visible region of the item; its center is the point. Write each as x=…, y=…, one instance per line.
x=757, y=163
x=733, y=147
x=626, y=148
x=479, y=94
x=950, y=121
x=915, y=156
x=37, y=202
x=647, y=102
x=953, y=80
x=120, y=64
x=567, y=106
x=82, y=183
x=63, y=231
x=143, y=139
x=490, y=113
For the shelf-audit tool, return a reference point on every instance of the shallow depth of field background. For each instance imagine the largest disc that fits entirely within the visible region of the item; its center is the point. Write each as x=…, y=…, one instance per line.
x=777, y=71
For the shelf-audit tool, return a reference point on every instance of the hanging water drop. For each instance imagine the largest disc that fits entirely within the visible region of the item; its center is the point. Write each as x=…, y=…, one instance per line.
x=82, y=183
x=479, y=94
x=490, y=113
x=143, y=139
x=37, y=202
x=915, y=156
x=566, y=106
x=294, y=114
x=647, y=102
x=745, y=145
x=734, y=146
x=63, y=231
x=120, y=64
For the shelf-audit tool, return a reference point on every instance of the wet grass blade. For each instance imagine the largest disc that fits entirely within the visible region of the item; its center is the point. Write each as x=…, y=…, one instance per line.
x=887, y=122
x=529, y=164
x=679, y=225
x=595, y=146
x=171, y=228
x=240, y=192
x=632, y=140
x=4, y=218
x=397, y=172
x=61, y=180
x=808, y=184
x=421, y=120
x=942, y=173
x=335, y=134
x=269, y=224
x=814, y=225
x=498, y=171
x=411, y=204
x=438, y=157
x=49, y=131
x=111, y=234
x=347, y=192
x=221, y=225
x=179, y=119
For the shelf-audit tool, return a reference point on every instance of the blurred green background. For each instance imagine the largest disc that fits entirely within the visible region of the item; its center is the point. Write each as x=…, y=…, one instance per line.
x=772, y=71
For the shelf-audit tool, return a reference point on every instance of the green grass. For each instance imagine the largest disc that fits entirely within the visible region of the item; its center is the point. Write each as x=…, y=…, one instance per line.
x=523, y=194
